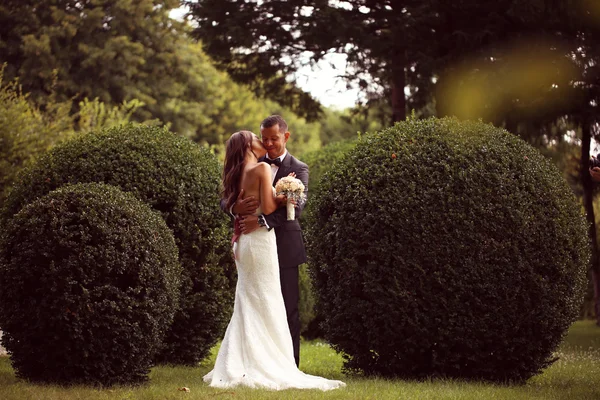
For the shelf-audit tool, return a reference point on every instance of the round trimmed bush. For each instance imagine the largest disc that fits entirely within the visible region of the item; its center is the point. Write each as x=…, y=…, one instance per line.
x=446, y=248
x=89, y=281
x=182, y=181
x=306, y=301
x=318, y=161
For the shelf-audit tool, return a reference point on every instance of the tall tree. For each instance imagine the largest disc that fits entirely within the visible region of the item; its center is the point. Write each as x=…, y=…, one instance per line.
x=587, y=56
x=385, y=42
x=407, y=51
x=124, y=50
x=114, y=50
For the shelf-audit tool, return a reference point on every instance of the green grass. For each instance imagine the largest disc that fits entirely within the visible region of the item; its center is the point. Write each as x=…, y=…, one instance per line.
x=575, y=376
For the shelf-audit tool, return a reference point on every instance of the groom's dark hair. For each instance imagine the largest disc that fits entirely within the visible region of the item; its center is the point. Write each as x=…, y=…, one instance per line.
x=273, y=120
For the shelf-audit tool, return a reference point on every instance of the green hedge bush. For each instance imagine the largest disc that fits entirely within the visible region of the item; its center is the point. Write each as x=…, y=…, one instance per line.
x=306, y=303
x=179, y=179
x=446, y=248
x=89, y=284
x=319, y=162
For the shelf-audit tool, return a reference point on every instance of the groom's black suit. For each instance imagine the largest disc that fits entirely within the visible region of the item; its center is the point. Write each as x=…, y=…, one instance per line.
x=290, y=248
x=290, y=245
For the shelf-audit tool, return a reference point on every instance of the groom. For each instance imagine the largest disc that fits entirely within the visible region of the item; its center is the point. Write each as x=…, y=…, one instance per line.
x=290, y=245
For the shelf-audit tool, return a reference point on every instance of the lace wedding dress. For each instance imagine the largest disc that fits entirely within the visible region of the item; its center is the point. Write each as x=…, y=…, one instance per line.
x=257, y=348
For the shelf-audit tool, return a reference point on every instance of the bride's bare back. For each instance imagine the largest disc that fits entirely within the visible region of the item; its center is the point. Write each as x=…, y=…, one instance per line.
x=256, y=181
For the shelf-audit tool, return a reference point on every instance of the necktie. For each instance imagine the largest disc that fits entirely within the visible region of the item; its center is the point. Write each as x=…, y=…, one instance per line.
x=276, y=161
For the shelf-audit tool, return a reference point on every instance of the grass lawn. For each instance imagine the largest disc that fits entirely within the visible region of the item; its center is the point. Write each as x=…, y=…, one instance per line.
x=575, y=376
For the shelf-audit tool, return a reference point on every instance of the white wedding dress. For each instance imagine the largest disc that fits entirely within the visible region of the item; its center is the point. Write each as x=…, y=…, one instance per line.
x=257, y=348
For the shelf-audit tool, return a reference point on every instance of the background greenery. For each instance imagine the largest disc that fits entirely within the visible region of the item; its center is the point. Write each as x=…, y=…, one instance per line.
x=73, y=66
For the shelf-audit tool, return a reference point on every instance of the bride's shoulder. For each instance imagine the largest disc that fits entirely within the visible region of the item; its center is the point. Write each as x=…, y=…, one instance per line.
x=261, y=168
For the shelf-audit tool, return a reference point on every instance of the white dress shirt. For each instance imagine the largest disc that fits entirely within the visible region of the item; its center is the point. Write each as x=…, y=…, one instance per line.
x=275, y=168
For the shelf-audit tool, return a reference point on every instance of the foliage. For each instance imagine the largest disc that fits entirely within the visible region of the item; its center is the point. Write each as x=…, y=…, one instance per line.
x=441, y=248
x=135, y=57
x=278, y=36
x=306, y=304
x=26, y=131
x=335, y=126
x=341, y=125
x=229, y=107
x=370, y=117
x=244, y=53
x=528, y=66
x=89, y=283
x=321, y=161
x=566, y=154
x=179, y=179
x=95, y=115
x=111, y=50
x=522, y=64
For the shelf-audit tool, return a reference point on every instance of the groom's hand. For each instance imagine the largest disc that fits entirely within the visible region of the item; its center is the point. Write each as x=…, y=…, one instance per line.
x=249, y=224
x=245, y=206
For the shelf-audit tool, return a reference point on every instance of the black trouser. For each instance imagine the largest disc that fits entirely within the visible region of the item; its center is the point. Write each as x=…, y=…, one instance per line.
x=291, y=297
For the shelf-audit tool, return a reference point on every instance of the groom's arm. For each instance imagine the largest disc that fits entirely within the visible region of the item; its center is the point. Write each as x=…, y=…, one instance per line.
x=241, y=206
x=279, y=217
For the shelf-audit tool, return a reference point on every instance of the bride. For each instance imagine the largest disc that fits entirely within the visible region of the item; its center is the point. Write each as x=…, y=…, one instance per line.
x=257, y=349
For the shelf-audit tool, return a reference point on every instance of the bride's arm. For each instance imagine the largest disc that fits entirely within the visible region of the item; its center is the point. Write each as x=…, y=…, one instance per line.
x=267, y=201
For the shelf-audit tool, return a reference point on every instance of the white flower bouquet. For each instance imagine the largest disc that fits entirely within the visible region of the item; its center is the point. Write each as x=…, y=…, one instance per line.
x=293, y=189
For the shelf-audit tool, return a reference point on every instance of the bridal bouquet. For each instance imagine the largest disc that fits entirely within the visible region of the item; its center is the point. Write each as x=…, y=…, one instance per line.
x=293, y=189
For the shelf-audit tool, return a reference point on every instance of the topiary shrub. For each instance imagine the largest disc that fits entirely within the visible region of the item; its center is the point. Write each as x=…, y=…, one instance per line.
x=446, y=248
x=179, y=179
x=89, y=283
x=320, y=161
x=306, y=302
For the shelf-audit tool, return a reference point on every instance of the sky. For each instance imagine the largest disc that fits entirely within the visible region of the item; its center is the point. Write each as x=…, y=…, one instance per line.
x=321, y=80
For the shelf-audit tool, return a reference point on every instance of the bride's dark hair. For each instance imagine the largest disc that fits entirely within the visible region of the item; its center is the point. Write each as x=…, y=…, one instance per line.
x=235, y=153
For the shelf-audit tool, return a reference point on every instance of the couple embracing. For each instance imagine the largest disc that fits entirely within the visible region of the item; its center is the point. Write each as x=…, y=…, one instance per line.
x=262, y=342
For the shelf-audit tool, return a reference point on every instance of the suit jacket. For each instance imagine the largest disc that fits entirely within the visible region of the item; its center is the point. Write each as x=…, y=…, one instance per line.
x=290, y=244
x=288, y=234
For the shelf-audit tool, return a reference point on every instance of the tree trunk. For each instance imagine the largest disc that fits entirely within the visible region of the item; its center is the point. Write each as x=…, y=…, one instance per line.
x=588, y=202
x=398, y=84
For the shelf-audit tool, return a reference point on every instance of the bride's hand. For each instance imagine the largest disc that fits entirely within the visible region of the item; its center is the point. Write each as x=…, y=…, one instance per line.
x=292, y=174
